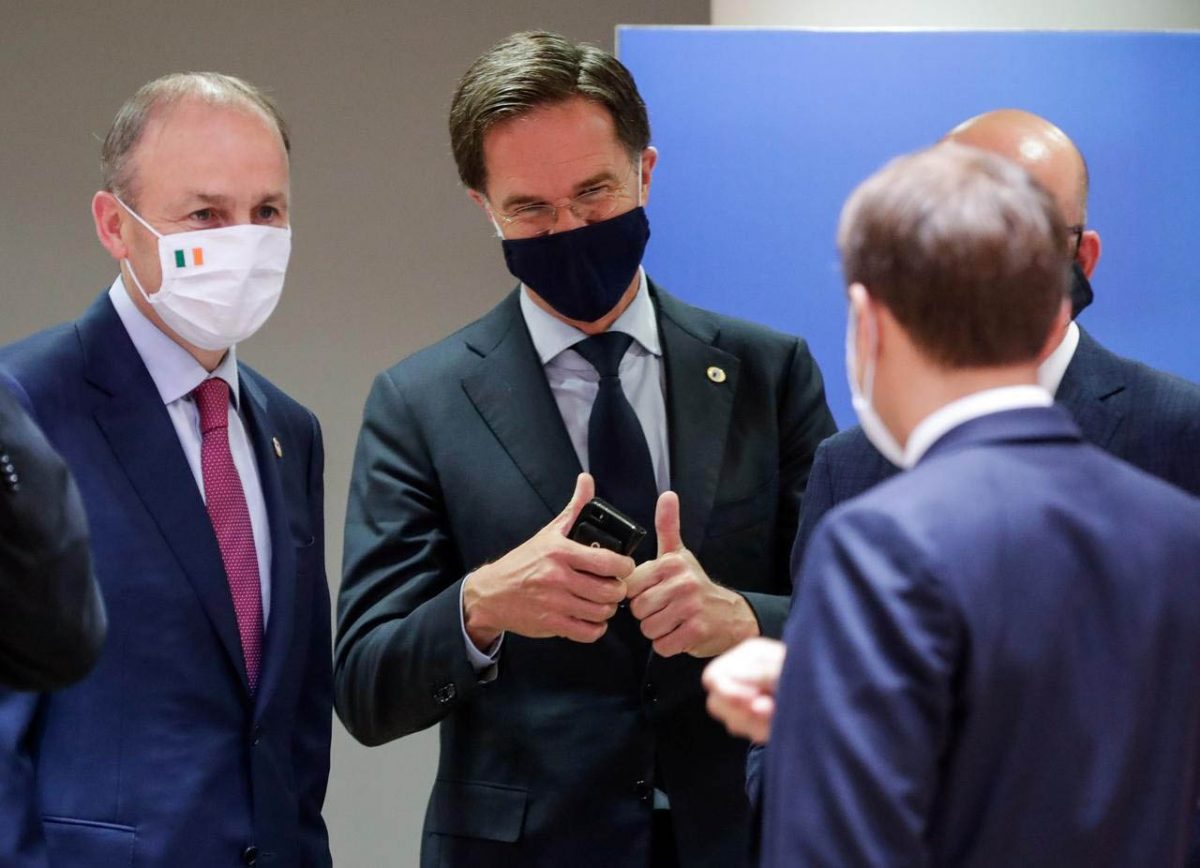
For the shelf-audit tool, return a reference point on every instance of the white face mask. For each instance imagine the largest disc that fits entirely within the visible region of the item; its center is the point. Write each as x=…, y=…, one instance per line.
x=218, y=285
x=877, y=432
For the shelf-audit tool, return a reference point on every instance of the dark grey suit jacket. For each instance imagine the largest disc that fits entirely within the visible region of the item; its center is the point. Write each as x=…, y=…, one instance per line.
x=463, y=456
x=52, y=621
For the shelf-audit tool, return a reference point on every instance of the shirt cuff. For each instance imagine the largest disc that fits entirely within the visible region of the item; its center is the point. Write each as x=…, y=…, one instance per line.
x=484, y=664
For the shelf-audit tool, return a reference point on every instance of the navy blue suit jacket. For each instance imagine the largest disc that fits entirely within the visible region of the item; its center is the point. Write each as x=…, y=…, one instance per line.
x=993, y=660
x=1143, y=416
x=161, y=756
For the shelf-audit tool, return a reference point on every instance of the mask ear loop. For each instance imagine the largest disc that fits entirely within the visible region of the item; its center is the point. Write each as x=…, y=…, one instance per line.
x=127, y=261
x=495, y=222
x=138, y=217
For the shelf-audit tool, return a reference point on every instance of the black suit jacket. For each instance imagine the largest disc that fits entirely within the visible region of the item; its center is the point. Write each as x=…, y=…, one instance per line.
x=52, y=621
x=1146, y=417
x=463, y=456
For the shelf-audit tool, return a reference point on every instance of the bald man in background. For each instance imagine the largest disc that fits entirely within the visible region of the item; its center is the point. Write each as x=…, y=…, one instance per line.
x=1145, y=417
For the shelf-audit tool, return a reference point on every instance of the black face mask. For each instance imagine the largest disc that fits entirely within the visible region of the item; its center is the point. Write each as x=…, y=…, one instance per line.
x=582, y=273
x=1081, y=290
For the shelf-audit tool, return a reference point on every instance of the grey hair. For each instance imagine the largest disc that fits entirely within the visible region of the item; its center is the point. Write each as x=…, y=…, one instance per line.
x=127, y=127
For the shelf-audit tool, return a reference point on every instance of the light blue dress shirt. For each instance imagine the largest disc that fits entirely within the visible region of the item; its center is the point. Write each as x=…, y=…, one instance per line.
x=175, y=374
x=574, y=384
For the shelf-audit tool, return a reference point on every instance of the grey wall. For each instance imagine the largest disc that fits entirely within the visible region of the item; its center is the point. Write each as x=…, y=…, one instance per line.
x=389, y=255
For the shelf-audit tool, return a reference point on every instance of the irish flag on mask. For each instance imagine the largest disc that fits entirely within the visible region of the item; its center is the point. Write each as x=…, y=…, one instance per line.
x=189, y=257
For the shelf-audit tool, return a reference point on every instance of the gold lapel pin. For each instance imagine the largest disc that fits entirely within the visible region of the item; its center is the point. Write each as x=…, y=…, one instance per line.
x=278, y=447
x=717, y=375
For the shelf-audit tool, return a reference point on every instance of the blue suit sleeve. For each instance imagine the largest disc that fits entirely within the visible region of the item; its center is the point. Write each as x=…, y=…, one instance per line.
x=864, y=701
x=818, y=500
x=315, y=717
x=22, y=843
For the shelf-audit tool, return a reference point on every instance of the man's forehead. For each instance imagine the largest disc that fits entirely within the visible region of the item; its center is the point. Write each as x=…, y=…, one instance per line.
x=558, y=145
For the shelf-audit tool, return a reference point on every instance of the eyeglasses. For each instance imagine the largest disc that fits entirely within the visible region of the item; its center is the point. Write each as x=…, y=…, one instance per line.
x=1077, y=231
x=591, y=206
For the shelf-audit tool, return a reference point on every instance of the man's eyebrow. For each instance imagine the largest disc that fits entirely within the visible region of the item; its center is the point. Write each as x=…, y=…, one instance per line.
x=221, y=200
x=603, y=177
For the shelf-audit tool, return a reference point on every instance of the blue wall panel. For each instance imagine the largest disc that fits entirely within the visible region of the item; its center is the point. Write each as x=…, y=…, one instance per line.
x=763, y=133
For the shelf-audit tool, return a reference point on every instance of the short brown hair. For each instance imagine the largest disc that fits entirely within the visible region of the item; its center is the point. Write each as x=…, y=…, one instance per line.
x=529, y=70
x=965, y=249
x=129, y=124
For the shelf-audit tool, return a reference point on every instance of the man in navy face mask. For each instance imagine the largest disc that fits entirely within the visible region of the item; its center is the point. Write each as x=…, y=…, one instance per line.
x=566, y=679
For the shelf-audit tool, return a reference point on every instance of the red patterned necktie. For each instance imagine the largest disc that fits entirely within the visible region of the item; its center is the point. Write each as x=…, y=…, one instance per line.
x=226, y=503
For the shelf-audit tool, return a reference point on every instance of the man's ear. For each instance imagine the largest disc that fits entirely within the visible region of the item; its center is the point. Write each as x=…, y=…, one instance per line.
x=481, y=200
x=1089, y=251
x=860, y=310
x=649, y=161
x=108, y=216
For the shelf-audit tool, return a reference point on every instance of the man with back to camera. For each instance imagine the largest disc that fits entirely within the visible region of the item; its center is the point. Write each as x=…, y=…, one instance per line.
x=566, y=682
x=202, y=736
x=52, y=622
x=992, y=658
x=1146, y=417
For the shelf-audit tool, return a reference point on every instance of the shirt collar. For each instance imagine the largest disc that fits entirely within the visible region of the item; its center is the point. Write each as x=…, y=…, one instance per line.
x=172, y=368
x=551, y=335
x=944, y=419
x=1052, y=370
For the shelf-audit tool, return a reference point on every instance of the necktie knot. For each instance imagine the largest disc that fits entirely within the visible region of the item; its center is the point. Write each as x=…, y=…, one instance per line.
x=212, y=400
x=605, y=351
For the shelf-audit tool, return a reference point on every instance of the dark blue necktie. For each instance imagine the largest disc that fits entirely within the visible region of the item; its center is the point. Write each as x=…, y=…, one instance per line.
x=618, y=456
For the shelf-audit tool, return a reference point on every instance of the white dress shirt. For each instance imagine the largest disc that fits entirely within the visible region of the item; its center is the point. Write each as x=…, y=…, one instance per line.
x=1054, y=368
x=949, y=416
x=175, y=374
x=574, y=384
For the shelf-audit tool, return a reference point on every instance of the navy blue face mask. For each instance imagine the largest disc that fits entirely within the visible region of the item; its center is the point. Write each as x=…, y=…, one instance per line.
x=582, y=273
x=1081, y=290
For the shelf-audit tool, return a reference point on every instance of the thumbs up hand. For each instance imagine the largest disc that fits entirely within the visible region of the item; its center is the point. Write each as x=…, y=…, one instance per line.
x=547, y=586
x=682, y=610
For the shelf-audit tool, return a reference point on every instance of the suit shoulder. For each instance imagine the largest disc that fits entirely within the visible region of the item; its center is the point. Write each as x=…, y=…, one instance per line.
x=44, y=360
x=454, y=355
x=277, y=397
x=851, y=443
x=1170, y=398
x=733, y=330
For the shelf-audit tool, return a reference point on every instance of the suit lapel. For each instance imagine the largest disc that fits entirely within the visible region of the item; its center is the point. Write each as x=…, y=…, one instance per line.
x=283, y=556
x=699, y=409
x=1093, y=390
x=510, y=392
x=138, y=428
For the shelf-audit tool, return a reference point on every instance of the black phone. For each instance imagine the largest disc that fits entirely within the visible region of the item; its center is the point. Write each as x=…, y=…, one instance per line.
x=602, y=525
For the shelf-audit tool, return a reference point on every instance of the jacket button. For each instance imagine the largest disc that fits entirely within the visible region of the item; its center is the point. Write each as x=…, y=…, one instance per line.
x=644, y=791
x=445, y=693
x=250, y=855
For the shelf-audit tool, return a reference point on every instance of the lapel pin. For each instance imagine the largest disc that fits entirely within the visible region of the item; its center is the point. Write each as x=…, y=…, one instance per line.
x=278, y=447
x=717, y=375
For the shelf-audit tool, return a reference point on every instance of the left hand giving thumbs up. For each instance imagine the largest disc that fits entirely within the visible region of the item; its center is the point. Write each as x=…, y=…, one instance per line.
x=682, y=610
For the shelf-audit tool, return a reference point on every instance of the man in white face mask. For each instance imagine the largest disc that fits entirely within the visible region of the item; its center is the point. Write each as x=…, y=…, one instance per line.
x=981, y=648
x=202, y=736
